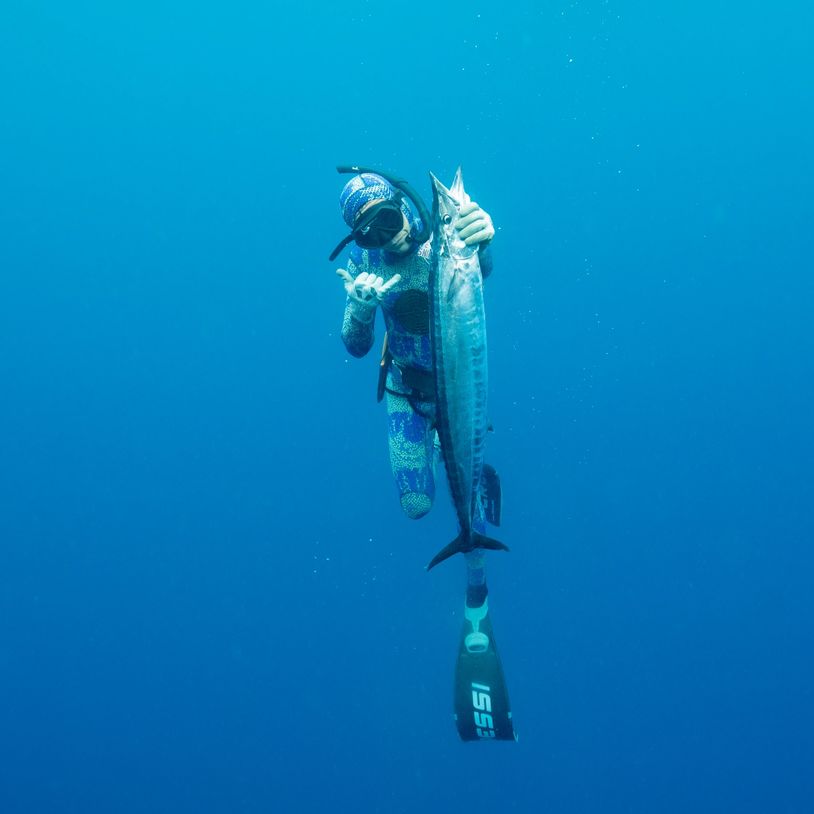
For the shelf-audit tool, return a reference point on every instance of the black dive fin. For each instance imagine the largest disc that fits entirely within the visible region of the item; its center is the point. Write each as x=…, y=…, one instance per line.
x=461, y=545
x=482, y=709
x=491, y=495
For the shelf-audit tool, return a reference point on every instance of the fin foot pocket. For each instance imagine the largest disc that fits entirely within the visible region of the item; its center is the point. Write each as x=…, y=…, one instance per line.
x=476, y=642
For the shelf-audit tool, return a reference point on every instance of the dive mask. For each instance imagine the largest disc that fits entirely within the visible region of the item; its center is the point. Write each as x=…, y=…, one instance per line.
x=375, y=227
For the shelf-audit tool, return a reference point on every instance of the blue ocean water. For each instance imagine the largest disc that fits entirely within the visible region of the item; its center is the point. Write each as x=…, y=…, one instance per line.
x=209, y=598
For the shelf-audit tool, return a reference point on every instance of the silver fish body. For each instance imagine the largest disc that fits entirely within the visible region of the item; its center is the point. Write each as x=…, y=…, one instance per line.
x=458, y=340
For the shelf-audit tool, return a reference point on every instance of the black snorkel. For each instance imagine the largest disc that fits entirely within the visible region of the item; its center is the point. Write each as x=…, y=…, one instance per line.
x=404, y=190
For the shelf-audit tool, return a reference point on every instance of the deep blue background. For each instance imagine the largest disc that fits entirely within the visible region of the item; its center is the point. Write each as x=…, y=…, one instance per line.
x=209, y=599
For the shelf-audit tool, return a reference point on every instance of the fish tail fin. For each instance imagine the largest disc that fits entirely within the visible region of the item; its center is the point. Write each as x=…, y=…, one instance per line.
x=456, y=546
x=482, y=541
x=463, y=544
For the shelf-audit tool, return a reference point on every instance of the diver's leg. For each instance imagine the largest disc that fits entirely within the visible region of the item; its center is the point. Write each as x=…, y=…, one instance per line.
x=410, y=437
x=475, y=578
x=476, y=567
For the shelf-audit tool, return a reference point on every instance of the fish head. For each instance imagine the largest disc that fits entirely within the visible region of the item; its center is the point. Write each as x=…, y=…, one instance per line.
x=446, y=209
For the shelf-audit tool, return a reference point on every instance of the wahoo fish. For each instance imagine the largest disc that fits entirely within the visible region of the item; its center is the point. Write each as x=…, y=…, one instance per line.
x=458, y=341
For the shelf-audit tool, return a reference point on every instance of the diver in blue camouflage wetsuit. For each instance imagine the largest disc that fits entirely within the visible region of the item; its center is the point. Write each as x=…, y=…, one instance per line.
x=388, y=267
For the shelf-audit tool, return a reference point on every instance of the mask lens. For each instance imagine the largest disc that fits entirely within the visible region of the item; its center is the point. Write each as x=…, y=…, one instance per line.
x=378, y=226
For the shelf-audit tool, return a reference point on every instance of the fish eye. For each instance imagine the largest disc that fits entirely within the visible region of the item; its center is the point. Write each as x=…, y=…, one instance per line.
x=447, y=219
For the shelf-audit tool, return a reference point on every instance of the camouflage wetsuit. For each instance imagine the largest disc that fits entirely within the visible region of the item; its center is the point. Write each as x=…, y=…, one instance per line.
x=409, y=397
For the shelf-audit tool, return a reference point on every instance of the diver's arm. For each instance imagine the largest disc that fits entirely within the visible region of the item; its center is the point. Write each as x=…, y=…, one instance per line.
x=357, y=327
x=360, y=313
x=365, y=291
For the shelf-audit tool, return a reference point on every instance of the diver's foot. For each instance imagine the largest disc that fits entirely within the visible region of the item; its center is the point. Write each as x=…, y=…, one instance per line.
x=476, y=595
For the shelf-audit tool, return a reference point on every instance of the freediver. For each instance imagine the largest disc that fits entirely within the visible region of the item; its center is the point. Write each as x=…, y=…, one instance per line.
x=388, y=265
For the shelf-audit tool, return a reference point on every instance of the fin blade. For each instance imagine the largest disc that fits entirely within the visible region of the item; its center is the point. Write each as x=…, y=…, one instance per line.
x=481, y=700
